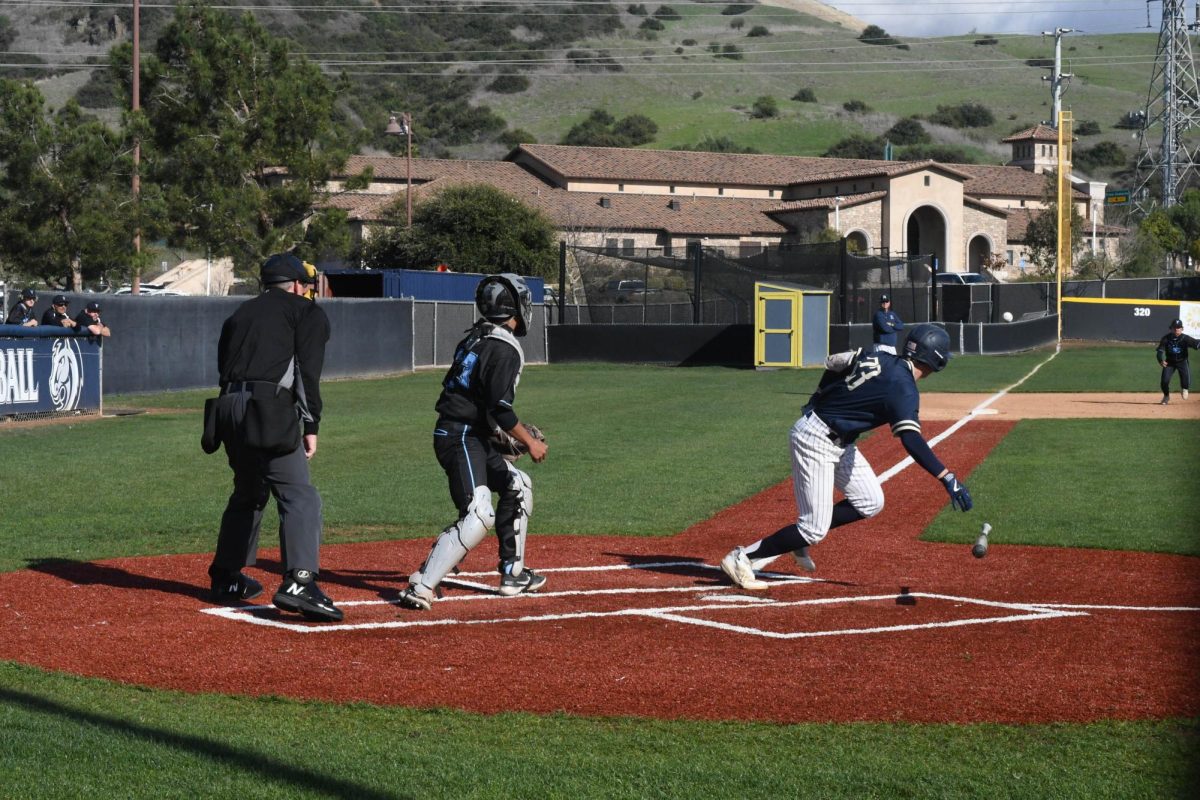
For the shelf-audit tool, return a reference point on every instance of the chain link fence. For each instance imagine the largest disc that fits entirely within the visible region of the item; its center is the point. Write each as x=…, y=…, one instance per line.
x=713, y=285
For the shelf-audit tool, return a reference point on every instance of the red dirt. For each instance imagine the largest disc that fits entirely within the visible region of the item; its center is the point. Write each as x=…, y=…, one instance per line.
x=140, y=620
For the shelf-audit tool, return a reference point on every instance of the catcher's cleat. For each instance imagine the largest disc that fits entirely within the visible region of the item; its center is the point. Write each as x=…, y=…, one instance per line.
x=232, y=588
x=414, y=598
x=299, y=592
x=526, y=581
x=803, y=559
x=737, y=566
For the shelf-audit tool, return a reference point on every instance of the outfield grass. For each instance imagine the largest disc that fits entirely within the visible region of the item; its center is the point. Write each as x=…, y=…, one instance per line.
x=68, y=737
x=636, y=451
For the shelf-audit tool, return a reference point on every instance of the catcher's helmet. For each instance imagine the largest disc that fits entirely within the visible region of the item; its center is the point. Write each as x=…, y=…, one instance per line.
x=501, y=297
x=928, y=344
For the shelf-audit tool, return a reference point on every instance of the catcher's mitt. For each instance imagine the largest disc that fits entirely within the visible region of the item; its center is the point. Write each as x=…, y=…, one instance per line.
x=511, y=448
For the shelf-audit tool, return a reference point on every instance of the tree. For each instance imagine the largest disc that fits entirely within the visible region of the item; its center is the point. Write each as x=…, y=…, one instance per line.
x=765, y=107
x=908, y=131
x=240, y=134
x=473, y=228
x=601, y=129
x=856, y=147
x=1041, y=238
x=65, y=210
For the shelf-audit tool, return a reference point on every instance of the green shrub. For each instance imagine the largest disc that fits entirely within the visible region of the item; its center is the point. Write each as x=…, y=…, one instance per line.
x=873, y=34
x=765, y=107
x=651, y=24
x=805, y=95
x=856, y=147
x=856, y=106
x=688, y=42
x=1103, y=154
x=759, y=30
x=907, y=131
x=734, y=9
x=1087, y=127
x=967, y=115
x=666, y=12
x=509, y=84
x=737, y=24
x=637, y=10
x=731, y=51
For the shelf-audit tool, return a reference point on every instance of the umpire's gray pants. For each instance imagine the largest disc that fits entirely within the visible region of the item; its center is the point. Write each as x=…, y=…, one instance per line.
x=257, y=476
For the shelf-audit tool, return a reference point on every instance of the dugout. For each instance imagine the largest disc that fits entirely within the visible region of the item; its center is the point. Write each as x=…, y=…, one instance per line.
x=791, y=325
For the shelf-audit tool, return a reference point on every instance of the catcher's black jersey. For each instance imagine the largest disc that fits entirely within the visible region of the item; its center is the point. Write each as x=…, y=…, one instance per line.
x=877, y=387
x=482, y=381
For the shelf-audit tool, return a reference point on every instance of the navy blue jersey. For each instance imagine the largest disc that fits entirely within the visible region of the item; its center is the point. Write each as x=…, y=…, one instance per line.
x=884, y=327
x=1174, y=349
x=876, y=388
x=481, y=384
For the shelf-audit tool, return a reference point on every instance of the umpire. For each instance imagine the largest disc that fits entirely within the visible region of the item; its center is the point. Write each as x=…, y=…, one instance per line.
x=270, y=357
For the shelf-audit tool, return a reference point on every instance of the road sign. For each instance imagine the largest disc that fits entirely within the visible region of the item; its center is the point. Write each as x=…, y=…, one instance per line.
x=1116, y=197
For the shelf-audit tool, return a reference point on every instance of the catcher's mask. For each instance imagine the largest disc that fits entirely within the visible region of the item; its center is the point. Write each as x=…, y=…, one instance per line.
x=928, y=344
x=501, y=297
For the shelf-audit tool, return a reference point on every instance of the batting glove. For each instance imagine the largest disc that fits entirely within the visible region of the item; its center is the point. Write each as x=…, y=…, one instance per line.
x=960, y=498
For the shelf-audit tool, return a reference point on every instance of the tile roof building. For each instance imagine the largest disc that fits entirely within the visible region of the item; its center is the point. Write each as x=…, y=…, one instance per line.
x=966, y=216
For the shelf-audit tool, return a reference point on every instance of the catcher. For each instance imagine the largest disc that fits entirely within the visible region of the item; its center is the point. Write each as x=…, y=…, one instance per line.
x=476, y=435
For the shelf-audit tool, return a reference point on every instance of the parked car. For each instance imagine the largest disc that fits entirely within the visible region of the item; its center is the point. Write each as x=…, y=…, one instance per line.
x=624, y=291
x=959, y=278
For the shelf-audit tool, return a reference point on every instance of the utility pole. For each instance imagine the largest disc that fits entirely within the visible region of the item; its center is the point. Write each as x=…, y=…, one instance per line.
x=136, y=279
x=1059, y=79
x=1173, y=106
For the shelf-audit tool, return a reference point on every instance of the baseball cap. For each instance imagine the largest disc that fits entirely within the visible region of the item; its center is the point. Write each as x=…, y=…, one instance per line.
x=28, y=294
x=883, y=298
x=284, y=267
x=1176, y=323
x=92, y=306
x=59, y=300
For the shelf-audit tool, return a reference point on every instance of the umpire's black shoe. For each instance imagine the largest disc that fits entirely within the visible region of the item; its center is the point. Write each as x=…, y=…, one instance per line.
x=300, y=593
x=233, y=587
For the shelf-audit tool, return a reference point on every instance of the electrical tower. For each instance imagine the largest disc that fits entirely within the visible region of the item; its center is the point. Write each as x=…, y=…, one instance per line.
x=1165, y=162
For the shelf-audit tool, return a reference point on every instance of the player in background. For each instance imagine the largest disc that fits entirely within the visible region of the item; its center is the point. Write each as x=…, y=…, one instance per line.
x=859, y=391
x=1173, y=356
x=885, y=325
x=477, y=395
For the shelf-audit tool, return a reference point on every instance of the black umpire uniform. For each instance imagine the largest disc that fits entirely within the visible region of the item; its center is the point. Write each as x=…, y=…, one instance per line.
x=1172, y=355
x=270, y=357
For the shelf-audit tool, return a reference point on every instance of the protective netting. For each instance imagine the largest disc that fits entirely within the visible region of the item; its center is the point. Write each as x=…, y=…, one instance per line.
x=716, y=285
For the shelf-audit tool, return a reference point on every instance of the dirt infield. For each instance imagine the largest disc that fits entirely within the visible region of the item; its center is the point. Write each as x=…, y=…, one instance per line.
x=894, y=629
x=1049, y=405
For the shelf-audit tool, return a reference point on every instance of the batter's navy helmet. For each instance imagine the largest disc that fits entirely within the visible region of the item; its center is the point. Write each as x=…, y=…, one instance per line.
x=504, y=296
x=928, y=344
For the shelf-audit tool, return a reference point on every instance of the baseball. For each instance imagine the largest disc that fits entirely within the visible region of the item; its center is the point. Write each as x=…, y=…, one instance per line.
x=1007, y=316
x=981, y=542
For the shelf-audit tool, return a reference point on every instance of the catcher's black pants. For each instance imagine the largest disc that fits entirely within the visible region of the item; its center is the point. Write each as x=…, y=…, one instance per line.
x=469, y=460
x=1185, y=377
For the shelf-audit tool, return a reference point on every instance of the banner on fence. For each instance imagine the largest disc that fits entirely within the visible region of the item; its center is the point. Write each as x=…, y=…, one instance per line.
x=47, y=374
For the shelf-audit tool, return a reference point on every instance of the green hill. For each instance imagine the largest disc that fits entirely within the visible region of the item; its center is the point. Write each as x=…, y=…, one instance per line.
x=696, y=77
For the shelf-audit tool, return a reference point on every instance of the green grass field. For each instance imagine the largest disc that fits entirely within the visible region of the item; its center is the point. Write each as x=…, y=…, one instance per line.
x=635, y=451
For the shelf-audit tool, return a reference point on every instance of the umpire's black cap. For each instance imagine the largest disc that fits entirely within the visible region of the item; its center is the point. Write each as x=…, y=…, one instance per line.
x=283, y=268
x=1176, y=323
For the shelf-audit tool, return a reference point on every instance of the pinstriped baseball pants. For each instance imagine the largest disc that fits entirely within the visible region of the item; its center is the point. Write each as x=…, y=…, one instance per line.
x=819, y=466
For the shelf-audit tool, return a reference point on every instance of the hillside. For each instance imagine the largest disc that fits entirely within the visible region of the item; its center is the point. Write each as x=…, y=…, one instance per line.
x=697, y=77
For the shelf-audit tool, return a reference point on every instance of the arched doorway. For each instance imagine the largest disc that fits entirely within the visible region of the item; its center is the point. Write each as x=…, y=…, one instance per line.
x=856, y=242
x=926, y=235
x=979, y=253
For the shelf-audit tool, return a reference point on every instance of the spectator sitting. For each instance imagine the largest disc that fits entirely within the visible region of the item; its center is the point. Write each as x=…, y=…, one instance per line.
x=22, y=312
x=89, y=320
x=56, y=314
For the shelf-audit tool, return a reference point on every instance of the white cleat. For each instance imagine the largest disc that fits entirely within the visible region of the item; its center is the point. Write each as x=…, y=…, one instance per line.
x=737, y=566
x=803, y=560
x=1185, y=392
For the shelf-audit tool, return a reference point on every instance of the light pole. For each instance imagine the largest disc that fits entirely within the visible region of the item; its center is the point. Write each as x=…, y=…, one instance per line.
x=401, y=125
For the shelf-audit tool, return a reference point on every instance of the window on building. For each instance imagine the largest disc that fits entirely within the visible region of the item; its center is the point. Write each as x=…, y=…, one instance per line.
x=627, y=245
x=620, y=187
x=1008, y=257
x=610, y=246
x=770, y=192
x=1022, y=204
x=926, y=180
x=720, y=191
x=672, y=190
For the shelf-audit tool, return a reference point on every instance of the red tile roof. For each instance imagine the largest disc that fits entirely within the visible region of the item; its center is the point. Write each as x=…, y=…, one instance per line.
x=1038, y=133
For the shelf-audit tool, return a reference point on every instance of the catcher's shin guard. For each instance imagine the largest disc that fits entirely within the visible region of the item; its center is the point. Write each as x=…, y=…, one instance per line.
x=519, y=484
x=455, y=542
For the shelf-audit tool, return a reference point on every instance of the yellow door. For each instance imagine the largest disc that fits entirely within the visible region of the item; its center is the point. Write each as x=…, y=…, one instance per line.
x=777, y=326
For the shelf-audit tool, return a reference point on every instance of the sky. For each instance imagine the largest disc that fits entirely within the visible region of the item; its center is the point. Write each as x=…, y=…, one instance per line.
x=955, y=17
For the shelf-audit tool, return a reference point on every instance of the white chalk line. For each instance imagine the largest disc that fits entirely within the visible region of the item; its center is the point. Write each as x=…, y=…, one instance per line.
x=714, y=599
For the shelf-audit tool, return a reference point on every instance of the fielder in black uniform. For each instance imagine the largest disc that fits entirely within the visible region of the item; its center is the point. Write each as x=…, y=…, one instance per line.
x=477, y=397
x=1173, y=356
x=858, y=392
x=270, y=357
